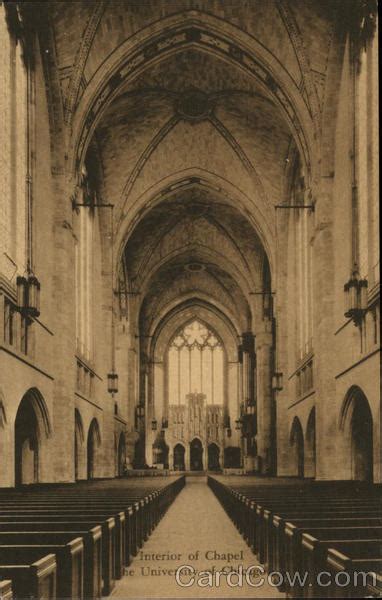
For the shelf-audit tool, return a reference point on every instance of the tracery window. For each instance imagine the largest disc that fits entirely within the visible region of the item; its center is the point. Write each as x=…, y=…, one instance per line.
x=195, y=365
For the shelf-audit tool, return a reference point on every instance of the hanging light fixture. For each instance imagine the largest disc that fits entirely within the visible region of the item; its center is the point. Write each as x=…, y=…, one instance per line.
x=351, y=295
x=28, y=286
x=33, y=296
x=140, y=410
x=238, y=424
x=227, y=425
x=22, y=293
x=28, y=295
x=268, y=304
x=154, y=424
x=112, y=383
x=355, y=297
x=277, y=382
x=164, y=423
x=362, y=289
x=112, y=378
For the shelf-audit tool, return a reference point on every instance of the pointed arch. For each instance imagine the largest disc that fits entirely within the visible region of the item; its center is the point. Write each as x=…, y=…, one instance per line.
x=121, y=454
x=3, y=417
x=214, y=457
x=32, y=429
x=179, y=457
x=93, y=444
x=296, y=441
x=310, y=445
x=168, y=36
x=196, y=454
x=356, y=425
x=79, y=449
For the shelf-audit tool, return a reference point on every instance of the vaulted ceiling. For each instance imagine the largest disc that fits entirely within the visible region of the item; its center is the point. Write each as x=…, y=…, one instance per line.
x=196, y=108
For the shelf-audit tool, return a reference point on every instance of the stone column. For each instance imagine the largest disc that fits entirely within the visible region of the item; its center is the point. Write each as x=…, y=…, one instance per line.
x=233, y=402
x=65, y=338
x=187, y=457
x=264, y=395
x=248, y=398
x=151, y=434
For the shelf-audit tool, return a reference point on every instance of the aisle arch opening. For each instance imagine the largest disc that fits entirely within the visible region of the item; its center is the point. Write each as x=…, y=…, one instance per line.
x=32, y=430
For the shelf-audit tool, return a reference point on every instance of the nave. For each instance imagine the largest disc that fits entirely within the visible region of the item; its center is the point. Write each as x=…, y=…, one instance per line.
x=189, y=281
x=196, y=532
x=299, y=539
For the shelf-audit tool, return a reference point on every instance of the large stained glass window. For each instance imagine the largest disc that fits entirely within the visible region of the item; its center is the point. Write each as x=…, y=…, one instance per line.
x=195, y=364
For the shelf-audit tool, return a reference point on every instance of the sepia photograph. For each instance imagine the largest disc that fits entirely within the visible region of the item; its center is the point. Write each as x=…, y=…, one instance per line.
x=190, y=399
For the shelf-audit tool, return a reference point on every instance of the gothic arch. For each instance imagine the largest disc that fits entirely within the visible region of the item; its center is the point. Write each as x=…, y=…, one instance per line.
x=204, y=254
x=255, y=213
x=296, y=444
x=179, y=453
x=200, y=30
x=202, y=300
x=197, y=454
x=79, y=447
x=356, y=425
x=166, y=330
x=32, y=430
x=3, y=417
x=310, y=445
x=93, y=445
x=214, y=456
x=121, y=454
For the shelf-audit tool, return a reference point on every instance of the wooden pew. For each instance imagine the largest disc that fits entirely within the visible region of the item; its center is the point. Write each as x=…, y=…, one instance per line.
x=294, y=548
x=276, y=560
x=337, y=562
x=261, y=514
x=252, y=507
x=315, y=552
x=87, y=505
x=264, y=520
x=32, y=572
x=108, y=534
x=125, y=516
x=69, y=558
x=6, y=592
x=92, y=539
x=273, y=528
x=32, y=569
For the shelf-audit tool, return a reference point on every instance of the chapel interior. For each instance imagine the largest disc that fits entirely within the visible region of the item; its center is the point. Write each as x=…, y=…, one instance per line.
x=189, y=242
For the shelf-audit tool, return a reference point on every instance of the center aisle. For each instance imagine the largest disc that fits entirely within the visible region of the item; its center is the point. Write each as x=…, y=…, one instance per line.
x=194, y=524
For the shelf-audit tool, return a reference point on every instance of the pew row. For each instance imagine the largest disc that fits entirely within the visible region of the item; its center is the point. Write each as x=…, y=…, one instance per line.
x=109, y=519
x=275, y=519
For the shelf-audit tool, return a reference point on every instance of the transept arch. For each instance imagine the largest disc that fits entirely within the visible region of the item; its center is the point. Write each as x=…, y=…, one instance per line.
x=203, y=31
x=186, y=182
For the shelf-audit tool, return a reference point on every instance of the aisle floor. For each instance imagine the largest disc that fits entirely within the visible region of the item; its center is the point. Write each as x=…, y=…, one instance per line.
x=197, y=532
